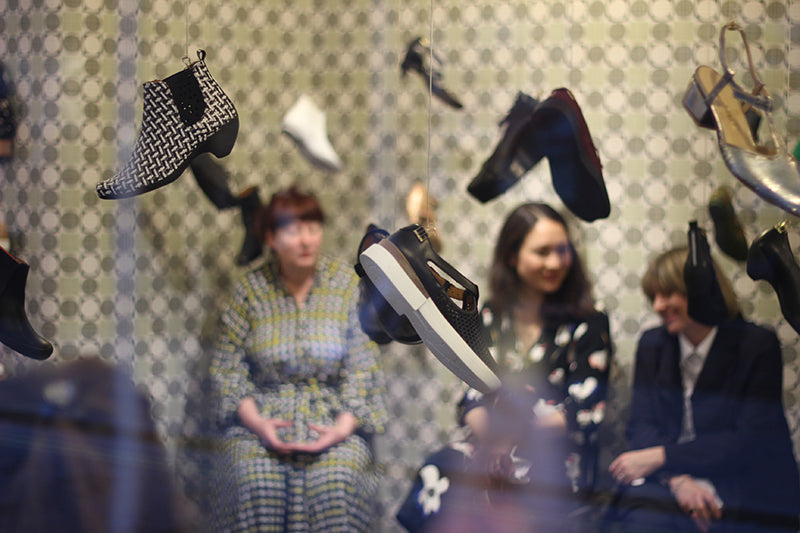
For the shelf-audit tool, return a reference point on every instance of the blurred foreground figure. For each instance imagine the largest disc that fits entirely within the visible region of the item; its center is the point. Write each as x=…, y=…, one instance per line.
x=79, y=453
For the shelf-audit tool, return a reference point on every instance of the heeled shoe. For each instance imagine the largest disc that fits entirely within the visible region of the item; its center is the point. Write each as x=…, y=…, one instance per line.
x=378, y=319
x=16, y=331
x=771, y=172
x=183, y=116
x=770, y=258
x=212, y=178
x=420, y=58
x=306, y=124
x=400, y=267
x=706, y=302
x=728, y=231
x=253, y=246
x=507, y=164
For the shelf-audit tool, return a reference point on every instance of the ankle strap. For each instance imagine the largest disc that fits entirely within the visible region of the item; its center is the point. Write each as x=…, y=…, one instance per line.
x=755, y=97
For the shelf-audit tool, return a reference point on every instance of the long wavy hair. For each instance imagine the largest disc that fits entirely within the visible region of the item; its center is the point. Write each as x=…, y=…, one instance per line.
x=573, y=299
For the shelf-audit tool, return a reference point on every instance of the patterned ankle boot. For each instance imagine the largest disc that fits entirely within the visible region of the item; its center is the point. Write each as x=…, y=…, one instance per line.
x=184, y=115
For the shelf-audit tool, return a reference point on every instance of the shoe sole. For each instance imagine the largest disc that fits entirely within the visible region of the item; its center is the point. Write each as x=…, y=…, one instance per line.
x=394, y=277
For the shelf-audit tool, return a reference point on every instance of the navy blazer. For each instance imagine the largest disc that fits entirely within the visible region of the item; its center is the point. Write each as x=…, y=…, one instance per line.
x=743, y=444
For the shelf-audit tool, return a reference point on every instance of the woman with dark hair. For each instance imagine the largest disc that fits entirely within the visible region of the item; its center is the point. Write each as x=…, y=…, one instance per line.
x=298, y=385
x=538, y=434
x=709, y=445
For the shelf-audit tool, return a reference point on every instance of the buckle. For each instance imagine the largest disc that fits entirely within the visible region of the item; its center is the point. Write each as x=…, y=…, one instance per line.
x=420, y=233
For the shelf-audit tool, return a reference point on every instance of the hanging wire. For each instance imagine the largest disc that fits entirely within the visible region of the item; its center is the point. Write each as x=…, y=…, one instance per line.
x=428, y=216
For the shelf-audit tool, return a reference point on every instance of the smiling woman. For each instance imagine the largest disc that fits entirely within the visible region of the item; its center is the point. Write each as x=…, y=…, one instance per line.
x=709, y=444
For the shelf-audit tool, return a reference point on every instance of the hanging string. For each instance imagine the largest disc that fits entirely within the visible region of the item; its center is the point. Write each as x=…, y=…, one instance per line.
x=186, y=29
x=430, y=100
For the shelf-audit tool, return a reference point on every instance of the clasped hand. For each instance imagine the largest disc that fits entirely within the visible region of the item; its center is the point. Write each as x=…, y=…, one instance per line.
x=328, y=436
x=637, y=464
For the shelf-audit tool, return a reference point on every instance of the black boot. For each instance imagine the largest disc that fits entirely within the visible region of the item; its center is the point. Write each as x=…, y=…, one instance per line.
x=507, y=164
x=728, y=232
x=213, y=181
x=706, y=302
x=16, y=331
x=770, y=258
x=420, y=59
x=253, y=245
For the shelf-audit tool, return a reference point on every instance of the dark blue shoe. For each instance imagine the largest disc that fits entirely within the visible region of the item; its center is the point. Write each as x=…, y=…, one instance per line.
x=378, y=319
x=404, y=267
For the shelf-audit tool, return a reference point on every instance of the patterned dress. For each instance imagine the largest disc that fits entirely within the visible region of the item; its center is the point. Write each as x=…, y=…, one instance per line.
x=303, y=364
x=568, y=368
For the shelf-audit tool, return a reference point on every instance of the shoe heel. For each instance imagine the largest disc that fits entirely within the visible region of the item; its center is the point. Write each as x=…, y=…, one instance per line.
x=695, y=105
x=221, y=143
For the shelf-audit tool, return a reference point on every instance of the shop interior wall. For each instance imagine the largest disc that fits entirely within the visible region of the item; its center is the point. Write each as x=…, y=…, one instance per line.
x=141, y=281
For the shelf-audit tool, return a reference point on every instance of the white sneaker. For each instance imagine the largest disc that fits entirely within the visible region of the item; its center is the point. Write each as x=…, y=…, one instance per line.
x=305, y=124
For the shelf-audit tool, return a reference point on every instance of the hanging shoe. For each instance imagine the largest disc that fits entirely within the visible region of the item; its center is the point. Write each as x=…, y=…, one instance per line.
x=770, y=258
x=421, y=59
x=421, y=209
x=401, y=266
x=507, y=164
x=728, y=231
x=706, y=302
x=8, y=124
x=253, y=246
x=16, y=331
x=305, y=123
x=378, y=319
x=769, y=171
x=183, y=116
x=559, y=132
x=212, y=178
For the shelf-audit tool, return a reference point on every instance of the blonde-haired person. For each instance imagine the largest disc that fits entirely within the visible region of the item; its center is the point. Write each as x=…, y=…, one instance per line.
x=709, y=445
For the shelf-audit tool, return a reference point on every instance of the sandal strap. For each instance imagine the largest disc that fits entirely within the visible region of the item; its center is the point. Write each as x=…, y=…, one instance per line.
x=758, y=97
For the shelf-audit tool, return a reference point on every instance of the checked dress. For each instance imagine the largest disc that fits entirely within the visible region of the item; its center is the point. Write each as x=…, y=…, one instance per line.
x=305, y=364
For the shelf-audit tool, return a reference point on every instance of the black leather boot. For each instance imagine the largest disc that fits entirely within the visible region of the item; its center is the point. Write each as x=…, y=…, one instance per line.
x=770, y=258
x=16, y=331
x=213, y=181
x=706, y=302
x=253, y=245
x=728, y=231
x=507, y=164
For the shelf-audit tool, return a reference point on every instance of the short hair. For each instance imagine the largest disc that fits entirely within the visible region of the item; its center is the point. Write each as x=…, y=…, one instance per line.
x=287, y=206
x=664, y=275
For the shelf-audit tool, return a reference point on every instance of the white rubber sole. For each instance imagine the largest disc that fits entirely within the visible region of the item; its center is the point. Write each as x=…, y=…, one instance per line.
x=394, y=277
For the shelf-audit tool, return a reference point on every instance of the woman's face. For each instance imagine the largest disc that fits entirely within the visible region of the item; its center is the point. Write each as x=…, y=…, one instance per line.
x=545, y=257
x=673, y=310
x=297, y=244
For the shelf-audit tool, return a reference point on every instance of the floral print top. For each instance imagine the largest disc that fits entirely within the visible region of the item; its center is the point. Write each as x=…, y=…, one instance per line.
x=568, y=367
